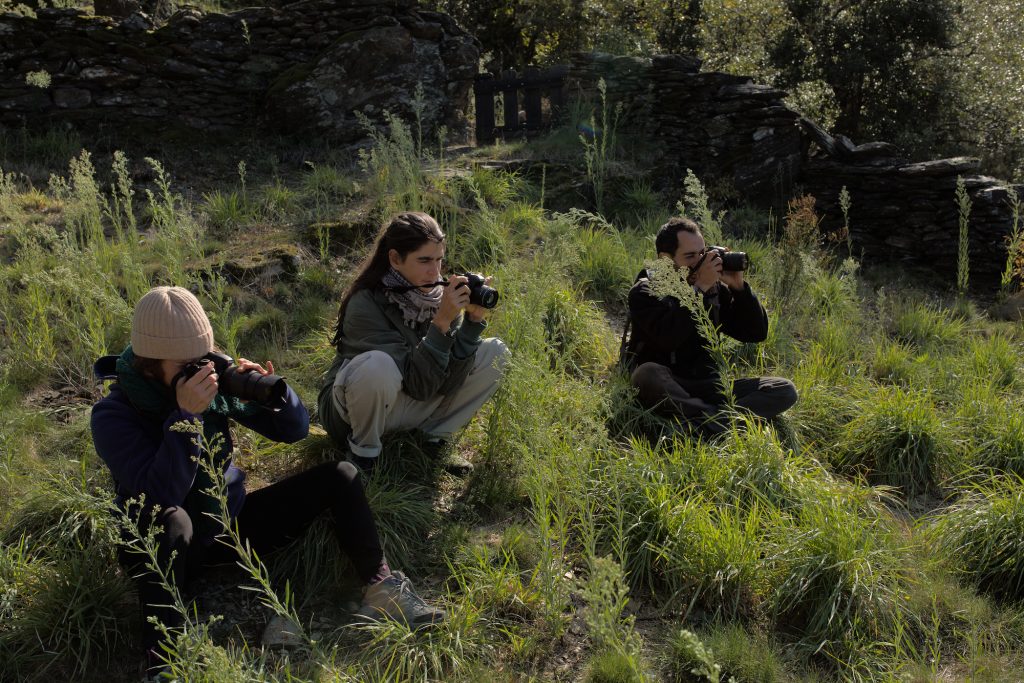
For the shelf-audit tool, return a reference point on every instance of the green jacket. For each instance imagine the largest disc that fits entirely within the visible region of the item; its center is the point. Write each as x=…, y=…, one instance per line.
x=430, y=361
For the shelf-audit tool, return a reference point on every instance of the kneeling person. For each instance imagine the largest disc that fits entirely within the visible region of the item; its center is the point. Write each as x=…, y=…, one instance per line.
x=674, y=370
x=163, y=381
x=409, y=348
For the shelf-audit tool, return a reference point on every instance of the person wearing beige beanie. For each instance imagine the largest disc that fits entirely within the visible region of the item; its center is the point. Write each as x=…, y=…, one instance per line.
x=158, y=477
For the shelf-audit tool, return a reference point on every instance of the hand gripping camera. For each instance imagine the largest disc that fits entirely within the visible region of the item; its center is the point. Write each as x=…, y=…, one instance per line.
x=266, y=390
x=731, y=260
x=480, y=294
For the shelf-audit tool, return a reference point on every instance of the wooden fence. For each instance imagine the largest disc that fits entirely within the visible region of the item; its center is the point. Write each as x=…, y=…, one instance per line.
x=526, y=113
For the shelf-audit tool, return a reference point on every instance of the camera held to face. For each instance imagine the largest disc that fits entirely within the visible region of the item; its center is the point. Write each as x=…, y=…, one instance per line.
x=266, y=390
x=732, y=260
x=480, y=294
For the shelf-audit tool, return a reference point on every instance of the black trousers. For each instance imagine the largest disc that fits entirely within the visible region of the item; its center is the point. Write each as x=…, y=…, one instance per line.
x=698, y=399
x=270, y=518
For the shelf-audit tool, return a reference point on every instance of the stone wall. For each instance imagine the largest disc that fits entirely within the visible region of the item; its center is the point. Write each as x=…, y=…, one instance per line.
x=306, y=67
x=716, y=124
x=725, y=126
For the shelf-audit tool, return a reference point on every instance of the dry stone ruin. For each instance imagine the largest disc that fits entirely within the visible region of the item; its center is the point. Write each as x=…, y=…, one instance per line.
x=308, y=67
x=725, y=126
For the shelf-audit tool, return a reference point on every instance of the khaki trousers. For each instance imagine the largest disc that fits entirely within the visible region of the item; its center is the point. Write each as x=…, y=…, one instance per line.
x=368, y=396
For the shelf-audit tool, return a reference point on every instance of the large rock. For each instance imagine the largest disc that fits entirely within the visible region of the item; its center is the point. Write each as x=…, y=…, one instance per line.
x=374, y=71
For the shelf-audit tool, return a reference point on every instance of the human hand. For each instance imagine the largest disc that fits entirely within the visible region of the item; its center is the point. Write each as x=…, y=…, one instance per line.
x=195, y=393
x=454, y=298
x=475, y=312
x=733, y=279
x=708, y=273
x=247, y=366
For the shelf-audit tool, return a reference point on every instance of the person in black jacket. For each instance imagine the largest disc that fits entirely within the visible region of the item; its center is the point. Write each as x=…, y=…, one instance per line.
x=674, y=370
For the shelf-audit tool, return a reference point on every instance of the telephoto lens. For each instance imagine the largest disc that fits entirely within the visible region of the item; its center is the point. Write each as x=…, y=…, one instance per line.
x=269, y=391
x=732, y=260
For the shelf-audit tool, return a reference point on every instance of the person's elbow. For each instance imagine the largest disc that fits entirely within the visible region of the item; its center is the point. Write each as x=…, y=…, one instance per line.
x=297, y=427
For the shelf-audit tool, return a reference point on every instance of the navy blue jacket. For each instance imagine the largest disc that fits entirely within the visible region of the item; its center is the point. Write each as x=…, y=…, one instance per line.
x=146, y=457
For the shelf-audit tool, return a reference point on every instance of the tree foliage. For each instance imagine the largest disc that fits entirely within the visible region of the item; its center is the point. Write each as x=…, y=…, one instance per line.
x=873, y=54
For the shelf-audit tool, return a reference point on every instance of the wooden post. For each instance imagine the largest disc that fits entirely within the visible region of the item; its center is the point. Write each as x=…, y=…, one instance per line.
x=511, y=91
x=557, y=93
x=531, y=97
x=483, y=90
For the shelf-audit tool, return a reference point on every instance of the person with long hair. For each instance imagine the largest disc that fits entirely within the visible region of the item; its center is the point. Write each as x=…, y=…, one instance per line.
x=409, y=348
x=162, y=384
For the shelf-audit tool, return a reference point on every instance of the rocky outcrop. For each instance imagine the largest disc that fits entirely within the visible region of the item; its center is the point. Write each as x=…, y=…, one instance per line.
x=725, y=126
x=907, y=211
x=718, y=125
x=305, y=67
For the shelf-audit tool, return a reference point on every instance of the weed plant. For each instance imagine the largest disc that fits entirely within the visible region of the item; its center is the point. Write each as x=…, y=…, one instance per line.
x=897, y=439
x=982, y=535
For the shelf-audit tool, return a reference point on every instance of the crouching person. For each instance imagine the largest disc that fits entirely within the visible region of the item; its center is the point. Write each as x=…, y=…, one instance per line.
x=409, y=348
x=163, y=380
x=674, y=371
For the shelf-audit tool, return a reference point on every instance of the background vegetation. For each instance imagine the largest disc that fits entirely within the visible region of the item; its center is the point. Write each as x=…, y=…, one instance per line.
x=876, y=532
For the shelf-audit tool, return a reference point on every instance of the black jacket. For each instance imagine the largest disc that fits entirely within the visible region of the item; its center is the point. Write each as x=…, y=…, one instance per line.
x=664, y=332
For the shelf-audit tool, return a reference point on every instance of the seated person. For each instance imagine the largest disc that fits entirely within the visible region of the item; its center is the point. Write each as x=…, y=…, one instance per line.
x=132, y=431
x=409, y=352
x=675, y=372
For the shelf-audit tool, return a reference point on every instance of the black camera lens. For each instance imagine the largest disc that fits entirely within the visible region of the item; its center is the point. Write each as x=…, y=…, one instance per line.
x=732, y=260
x=267, y=390
x=480, y=294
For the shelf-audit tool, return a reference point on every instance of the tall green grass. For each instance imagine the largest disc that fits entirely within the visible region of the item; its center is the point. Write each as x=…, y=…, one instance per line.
x=578, y=508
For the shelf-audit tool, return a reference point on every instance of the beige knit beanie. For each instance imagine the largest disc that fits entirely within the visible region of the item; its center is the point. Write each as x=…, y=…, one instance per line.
x=170, y=323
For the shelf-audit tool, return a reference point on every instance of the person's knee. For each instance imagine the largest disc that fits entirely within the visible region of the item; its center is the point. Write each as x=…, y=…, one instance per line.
x=373, y=372
x=784, y=393
x=493, y=355
x=345, y=473
x=789, y=394
x=177, y=525
x=647, y=376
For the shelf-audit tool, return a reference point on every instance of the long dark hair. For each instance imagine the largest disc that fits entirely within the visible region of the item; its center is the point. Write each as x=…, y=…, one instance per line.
x=406, y=233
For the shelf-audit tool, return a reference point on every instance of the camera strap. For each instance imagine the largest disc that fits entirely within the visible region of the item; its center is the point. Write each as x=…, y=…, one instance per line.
x=408, y=288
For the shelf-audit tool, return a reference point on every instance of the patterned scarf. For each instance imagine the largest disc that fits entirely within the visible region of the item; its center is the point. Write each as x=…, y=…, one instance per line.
x=156, y=401
x=416, y=305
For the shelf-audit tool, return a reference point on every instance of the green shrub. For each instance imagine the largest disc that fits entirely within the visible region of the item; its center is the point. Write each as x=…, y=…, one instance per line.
x=995, y=360
x=226, y=210
x=723, y=652
x=897, y=438
x=993, y=431
x=895, y=363
x=838, y=579
x=981, y=536
x=927, y=326
x=326, y=182
x=612, y=666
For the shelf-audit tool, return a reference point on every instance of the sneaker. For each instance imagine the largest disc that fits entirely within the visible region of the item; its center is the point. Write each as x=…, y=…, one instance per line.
x=394, y=598
x=282, y=632
x=364, y=465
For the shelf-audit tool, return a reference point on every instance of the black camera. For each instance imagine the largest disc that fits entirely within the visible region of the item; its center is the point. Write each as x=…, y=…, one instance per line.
x=480, y=294
x=267, y=390
x=732, y=260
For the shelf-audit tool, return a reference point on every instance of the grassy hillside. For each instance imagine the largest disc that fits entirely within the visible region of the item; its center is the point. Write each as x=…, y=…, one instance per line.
x=876, y=532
